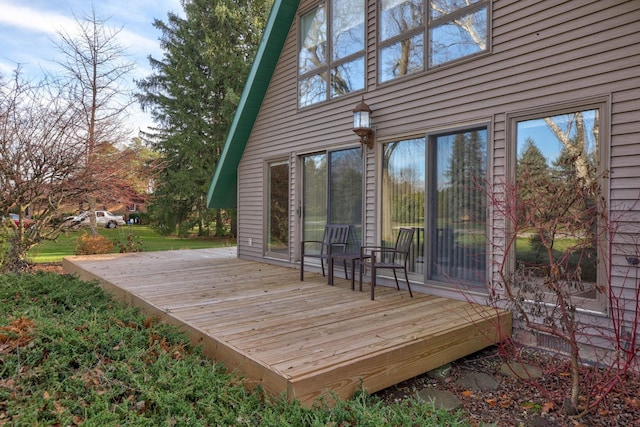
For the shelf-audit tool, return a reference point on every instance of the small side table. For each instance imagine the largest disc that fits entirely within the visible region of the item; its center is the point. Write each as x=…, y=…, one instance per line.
x=352, y=258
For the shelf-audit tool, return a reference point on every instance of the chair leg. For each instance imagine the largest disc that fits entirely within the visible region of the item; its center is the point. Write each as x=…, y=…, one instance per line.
x=406, y=277
x=322, y=265
x=373, y=281
x=302, y=268
x=395, y=276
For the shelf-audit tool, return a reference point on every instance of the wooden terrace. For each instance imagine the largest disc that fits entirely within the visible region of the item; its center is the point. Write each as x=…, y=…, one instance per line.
x=303, y=339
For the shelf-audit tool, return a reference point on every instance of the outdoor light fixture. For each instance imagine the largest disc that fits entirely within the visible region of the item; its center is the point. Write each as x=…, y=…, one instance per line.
x=362, y=123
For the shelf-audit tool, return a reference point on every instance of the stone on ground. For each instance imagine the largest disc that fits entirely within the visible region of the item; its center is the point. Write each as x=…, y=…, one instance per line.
x=440, y=399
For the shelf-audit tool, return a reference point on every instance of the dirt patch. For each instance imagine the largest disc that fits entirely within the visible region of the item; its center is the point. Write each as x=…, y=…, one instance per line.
x=49, y=267
x=517, y=402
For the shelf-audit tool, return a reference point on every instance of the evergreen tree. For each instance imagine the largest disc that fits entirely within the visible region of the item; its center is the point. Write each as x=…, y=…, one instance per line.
x=466, y=173
x=192, y=97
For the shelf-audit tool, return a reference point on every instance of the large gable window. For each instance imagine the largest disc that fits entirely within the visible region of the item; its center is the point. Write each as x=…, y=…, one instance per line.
x=409, y=41
x=331, y=56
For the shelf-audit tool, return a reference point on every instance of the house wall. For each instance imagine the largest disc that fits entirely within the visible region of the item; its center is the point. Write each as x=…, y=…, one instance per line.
x=543, y=54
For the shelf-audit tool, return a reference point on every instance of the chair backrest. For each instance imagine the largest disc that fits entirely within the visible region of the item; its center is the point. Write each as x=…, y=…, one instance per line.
x=403, y=243
x=336, y=236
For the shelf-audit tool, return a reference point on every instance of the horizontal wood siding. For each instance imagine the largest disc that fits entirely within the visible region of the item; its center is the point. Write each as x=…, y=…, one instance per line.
x=543, y=54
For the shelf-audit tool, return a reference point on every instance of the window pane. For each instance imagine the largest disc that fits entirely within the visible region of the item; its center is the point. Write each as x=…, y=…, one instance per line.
x=278, y=213
x=313, y=44
x=347, y=19
x=461, y=37
x=403, y=190
x=402, y=58
x=314, y=196
x=557, y=198
x=398, y=17
x=439, y=8
x=459, y=230
x=345, y=193
x=347, y=77
x=313, y=89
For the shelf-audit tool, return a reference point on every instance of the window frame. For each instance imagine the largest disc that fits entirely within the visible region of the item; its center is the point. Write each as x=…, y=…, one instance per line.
x=603, y=104
x=329, y=63
x=428, y=23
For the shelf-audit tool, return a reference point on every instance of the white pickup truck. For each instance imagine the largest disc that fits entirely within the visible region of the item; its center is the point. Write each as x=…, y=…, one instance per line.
x=103, y=219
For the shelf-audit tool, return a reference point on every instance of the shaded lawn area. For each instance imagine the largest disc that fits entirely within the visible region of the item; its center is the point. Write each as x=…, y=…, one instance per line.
x=65, y=245
x=69, y=355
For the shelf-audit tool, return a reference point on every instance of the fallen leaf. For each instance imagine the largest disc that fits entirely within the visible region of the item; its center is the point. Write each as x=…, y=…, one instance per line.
x=492, y=402
x=46, y=395
x=467, y=393
x=632, y=402
x=547, y=407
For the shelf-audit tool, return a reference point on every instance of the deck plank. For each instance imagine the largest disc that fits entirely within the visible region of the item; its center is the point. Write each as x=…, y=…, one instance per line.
x=301, y=338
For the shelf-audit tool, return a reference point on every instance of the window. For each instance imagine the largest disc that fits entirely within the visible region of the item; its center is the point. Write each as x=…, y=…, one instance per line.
x=332, y=191
x=458, y=211
x=278, y=209
x=331, y=57
x=442, y=182
x=558, y=193
x=454, y=29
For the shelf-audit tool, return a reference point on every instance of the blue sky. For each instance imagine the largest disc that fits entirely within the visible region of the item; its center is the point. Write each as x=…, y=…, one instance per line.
x=28, y=28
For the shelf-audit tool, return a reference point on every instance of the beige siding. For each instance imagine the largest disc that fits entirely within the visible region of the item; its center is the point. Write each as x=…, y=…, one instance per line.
x=543, y=54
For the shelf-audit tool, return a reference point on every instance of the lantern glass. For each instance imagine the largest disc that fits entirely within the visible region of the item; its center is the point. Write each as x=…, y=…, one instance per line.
x=361, y=119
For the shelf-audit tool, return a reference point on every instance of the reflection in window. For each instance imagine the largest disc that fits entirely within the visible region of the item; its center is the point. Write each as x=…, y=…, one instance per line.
x=278, y=209
x=459, y=211
x=402, y=58
x=403, y=190
x=463, y=36
x=347, y=77
x=314, y=41
x=557, y=191
x=454, y=29
x=323, y=73
x=332, y=192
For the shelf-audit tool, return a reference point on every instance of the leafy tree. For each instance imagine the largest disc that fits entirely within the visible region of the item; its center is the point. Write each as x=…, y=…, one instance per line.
x=192, y=97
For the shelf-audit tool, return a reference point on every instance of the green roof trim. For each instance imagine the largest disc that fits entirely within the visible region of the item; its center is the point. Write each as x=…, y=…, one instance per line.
x=223, y=192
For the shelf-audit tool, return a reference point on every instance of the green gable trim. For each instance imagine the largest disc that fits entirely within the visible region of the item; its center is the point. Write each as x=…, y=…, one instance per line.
x=223, y=192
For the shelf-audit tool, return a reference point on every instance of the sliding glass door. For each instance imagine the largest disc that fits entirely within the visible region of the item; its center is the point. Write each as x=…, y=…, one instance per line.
x=435, y=185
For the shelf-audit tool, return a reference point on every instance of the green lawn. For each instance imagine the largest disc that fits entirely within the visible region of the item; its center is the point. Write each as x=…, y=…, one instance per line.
x=151, y=241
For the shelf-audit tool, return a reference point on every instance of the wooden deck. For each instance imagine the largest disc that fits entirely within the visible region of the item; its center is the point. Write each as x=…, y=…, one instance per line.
x=299, y=338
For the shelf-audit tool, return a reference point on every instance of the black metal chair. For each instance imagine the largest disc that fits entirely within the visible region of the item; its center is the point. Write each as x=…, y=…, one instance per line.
x=335, y=240
x=395, y=258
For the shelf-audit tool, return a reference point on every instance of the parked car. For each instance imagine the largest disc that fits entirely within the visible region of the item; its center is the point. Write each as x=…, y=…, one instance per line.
x=27, y=222
x=103, y=219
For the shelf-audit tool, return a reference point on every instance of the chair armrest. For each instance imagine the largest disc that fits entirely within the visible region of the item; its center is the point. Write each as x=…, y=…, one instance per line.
x=370, y=248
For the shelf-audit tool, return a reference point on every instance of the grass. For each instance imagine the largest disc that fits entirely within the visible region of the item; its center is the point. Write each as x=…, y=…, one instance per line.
x=65, y=245
x=70, y=355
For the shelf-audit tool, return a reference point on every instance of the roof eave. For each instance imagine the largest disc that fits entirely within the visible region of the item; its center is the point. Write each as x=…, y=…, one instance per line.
x=223, y=191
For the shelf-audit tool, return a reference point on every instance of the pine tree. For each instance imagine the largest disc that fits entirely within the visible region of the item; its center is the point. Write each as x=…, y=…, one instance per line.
x=192, y=97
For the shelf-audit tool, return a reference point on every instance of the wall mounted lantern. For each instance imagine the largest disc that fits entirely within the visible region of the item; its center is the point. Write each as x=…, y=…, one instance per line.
x=362, y=123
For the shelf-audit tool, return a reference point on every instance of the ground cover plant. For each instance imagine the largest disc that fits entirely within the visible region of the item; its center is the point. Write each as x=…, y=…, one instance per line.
x=69, y=355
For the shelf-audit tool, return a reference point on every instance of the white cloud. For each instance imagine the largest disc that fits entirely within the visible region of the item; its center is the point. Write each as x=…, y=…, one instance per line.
x=31, y=19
